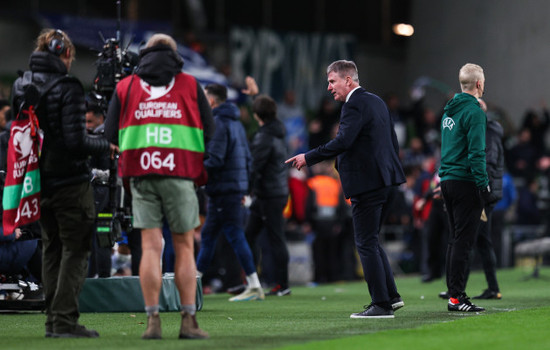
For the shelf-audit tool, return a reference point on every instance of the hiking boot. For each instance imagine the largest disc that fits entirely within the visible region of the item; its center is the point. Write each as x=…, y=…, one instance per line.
x=397, y=303
x=190, y=328
x=373, y=311
x=444, y=295
x=463, y=304
x=153, y=330
x=488, y=294
x=249, y=294
x=79, y=331
x=279, y=291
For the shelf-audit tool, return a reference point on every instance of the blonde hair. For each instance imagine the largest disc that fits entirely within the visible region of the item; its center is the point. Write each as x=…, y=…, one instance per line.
x=469, y=75
x=162, y=39
x=47, y=35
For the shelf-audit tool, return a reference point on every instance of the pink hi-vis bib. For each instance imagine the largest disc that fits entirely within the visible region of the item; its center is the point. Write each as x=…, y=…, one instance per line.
x=21, y=198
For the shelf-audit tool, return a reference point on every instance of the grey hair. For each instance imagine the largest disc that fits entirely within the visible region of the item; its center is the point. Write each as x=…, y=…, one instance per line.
x=344, y=68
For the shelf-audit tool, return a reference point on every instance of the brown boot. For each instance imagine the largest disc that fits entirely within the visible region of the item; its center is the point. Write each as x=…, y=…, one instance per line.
x=153, y=330
x=190, y=328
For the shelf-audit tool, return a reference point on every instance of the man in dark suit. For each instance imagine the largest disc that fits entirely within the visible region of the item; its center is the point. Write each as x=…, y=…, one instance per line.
x=367, y=159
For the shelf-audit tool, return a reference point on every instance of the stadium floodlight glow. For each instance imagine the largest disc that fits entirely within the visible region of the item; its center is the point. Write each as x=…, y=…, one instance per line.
x=403, y=29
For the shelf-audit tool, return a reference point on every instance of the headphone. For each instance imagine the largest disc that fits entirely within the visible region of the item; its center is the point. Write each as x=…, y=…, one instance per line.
x=57, y=45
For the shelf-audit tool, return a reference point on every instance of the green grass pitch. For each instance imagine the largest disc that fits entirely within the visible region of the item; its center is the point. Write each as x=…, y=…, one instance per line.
x=318, y=318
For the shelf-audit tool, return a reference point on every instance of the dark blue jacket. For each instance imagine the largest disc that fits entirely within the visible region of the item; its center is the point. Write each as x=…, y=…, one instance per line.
x=229, y=160
x=366, y=146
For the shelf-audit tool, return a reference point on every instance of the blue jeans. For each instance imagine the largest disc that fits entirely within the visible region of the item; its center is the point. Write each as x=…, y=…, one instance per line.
x=225, y=214
x=15, y=255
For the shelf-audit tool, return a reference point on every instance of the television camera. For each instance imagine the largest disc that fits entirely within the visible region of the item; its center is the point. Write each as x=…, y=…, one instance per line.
x=113, y=64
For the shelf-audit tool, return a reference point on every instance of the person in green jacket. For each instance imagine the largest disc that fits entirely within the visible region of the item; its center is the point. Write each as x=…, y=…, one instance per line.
x=464, y=181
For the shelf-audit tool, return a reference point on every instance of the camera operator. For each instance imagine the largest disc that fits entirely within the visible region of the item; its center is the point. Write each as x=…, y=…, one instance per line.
x=100, y=257
x=164, y=121
x=67, y=205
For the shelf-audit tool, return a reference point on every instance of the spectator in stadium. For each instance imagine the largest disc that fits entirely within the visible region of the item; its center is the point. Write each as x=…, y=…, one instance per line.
x=4, y=113
x=325, y=212
x=522, y=158
x=498, y=220
x=292, y=115
x=368, y=163
x=538, y=126
x=21, y=255
x=320, y=128
x=435, y=231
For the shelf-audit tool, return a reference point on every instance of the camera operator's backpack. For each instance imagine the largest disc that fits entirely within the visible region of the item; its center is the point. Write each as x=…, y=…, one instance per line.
x=21, y=198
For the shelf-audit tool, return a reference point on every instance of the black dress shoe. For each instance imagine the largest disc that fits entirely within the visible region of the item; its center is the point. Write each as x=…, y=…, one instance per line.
x=397, y=303
x=373, y=311
x=488, y=294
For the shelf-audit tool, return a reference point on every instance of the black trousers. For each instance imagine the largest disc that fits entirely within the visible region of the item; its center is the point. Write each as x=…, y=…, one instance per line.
x=267, y=213
x=369, y=211
x=464, y=208
x=486, y=251
x=436, y=232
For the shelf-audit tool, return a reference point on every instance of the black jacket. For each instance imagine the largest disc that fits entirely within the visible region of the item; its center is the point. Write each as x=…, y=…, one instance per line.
x=366, y=146
x=269, y=172
x=494, y=154
x=61, y=114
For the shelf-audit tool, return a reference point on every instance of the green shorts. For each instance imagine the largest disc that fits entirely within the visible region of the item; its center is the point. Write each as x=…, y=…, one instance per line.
x=172, y=198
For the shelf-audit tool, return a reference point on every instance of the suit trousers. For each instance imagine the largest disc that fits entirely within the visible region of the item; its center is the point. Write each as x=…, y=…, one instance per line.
x=369, y=210
x=486, y=251
x=67, y=221
x=464, y=209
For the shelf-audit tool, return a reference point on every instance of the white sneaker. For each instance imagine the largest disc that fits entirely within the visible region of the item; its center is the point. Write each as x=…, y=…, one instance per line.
x=249, y=294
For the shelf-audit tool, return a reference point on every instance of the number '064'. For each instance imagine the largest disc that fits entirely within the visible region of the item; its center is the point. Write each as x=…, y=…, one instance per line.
x=154, y=160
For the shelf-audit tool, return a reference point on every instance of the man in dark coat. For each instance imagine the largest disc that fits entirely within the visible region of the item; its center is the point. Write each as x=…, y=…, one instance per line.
x=367, y=159
x=494, y=154
x=228, y=165
x=269, y=188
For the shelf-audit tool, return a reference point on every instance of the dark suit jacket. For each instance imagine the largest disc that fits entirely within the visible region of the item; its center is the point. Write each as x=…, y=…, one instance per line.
x=366, y=146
